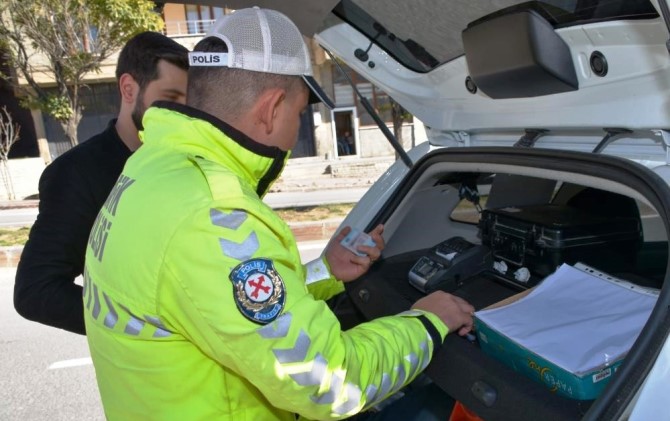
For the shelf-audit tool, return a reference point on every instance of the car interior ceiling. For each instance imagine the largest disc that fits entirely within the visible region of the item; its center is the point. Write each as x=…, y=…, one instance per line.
x=422, y=51
x=440, y=210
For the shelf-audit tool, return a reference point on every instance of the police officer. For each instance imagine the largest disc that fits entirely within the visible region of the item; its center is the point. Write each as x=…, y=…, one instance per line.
x=197, y=305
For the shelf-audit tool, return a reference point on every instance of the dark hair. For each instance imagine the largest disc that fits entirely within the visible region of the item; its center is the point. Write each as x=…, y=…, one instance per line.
x=141, y=54
x=229, y=92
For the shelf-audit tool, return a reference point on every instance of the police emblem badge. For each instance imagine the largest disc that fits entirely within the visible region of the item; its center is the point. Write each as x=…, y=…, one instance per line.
x=258, y=290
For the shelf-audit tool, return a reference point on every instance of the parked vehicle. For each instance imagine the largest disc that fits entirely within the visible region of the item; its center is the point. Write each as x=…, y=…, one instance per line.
x=548, y=139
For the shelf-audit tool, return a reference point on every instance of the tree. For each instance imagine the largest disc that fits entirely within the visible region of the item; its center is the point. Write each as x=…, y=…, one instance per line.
x=9, y=134
x=64, y=40
x=398, y=116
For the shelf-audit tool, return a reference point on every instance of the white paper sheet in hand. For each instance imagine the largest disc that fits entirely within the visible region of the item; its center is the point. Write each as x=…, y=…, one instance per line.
x=577, y=320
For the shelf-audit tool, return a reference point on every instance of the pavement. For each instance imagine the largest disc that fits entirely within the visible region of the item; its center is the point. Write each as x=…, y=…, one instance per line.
x=304, y=182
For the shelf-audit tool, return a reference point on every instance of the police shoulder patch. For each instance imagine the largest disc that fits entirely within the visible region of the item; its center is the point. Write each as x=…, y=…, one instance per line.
x=258, y=290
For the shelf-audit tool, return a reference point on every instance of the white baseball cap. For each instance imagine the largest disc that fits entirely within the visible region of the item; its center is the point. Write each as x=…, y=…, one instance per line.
x=262, y=40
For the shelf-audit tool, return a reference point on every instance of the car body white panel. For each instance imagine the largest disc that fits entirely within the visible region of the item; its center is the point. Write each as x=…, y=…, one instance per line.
x=651, y=402
x=638, y=60
x=373, y=200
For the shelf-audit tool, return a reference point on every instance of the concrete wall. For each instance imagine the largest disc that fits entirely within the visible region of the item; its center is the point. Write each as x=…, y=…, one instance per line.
x=373, y=143
x=25, y=175
x=173, y=13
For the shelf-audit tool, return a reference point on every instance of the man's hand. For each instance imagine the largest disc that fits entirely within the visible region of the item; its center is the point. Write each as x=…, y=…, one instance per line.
x=454, y=311
x=345, y=265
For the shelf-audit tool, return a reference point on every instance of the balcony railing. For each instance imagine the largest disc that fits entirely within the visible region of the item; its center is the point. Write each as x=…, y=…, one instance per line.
x=187, y=27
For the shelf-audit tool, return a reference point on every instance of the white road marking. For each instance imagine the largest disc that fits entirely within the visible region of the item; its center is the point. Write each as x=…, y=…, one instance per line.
x=76, y=362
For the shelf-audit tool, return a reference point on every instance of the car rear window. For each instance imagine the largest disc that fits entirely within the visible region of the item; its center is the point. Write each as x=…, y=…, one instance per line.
x=423, y=34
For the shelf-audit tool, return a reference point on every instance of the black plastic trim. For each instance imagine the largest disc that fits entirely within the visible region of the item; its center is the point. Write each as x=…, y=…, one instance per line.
x=518, y=55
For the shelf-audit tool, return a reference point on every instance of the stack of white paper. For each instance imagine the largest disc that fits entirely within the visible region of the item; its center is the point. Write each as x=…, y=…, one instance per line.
x=577, y=318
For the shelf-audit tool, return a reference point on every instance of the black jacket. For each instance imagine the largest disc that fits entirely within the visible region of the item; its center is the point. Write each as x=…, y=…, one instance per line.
x=72, y=190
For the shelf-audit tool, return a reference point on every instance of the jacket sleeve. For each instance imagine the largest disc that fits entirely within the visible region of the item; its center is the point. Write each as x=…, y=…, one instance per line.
x=45, y=289
x=320, y=281
x=300, y=359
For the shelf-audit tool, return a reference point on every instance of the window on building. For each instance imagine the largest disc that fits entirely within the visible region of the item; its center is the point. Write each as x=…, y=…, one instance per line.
x=199, y=18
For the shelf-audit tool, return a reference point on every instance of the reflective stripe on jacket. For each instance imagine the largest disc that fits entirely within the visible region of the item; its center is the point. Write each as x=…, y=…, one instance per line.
x=196, y=301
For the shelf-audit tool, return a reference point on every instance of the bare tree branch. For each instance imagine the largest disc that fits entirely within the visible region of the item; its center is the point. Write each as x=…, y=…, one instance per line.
x=9, y=134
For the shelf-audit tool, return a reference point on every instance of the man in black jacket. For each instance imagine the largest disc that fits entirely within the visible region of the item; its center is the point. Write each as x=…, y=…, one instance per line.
x=74, y=187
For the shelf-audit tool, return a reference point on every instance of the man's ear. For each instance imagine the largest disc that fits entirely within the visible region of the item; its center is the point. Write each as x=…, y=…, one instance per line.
x=129, y=88
x=269, y=104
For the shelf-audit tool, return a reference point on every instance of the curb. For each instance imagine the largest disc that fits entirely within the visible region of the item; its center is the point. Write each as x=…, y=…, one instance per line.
x=314, y=230
x=19, y=204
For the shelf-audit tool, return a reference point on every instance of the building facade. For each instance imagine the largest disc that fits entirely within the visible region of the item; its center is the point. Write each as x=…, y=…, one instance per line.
x=347, y=132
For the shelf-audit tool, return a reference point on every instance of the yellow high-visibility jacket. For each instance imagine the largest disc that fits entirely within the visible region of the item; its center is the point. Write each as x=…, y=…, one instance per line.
x=197, y=304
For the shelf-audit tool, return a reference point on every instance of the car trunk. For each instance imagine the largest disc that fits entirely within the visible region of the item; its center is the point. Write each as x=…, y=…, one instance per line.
x=624, y=207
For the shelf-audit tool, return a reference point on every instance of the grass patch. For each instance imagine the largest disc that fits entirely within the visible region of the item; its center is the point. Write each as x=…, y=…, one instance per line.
x=19, y=236
x=14, y=236
x=315, y=213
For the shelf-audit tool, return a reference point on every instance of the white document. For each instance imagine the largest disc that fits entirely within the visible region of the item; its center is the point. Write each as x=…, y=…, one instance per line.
x=577, y=318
